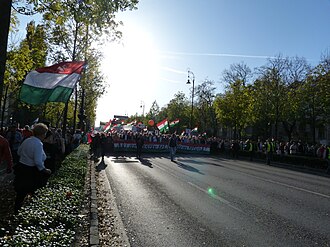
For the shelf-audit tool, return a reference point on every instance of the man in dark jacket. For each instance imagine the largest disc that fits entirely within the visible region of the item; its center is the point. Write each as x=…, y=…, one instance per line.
x=172, y=145
x=139, y=144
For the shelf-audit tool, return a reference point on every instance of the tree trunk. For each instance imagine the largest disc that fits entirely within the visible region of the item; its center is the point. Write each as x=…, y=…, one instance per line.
x=4, y=106
x=5, y=11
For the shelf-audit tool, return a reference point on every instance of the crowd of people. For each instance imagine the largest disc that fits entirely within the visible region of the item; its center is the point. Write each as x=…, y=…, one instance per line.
x=33, y=154
x=103, y=144
x=224, y=145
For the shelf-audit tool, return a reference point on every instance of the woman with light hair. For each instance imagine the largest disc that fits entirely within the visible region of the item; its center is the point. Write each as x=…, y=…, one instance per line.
x=30, y=172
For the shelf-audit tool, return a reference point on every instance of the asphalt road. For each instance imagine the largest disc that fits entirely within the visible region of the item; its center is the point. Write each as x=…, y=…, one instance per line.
x=207, y=201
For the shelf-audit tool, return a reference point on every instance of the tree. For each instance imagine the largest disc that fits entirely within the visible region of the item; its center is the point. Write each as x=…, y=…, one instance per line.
x=74, y=25
x=177, y=108
x=5, y=11
x=237, y=72
x=272, y=84
x=297, y=72
x=93, y=84
x=30, y=53
x=153, y=112
x=206, y=113
x=233, y=108
x=315, y=98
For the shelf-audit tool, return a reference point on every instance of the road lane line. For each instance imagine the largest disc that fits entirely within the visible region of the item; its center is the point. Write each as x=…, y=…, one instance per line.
x=286, y=185
x=216, y=197
x=289, y=186
x=201, y=189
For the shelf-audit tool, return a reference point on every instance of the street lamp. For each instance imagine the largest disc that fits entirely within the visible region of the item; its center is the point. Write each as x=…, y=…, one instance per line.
x=142, y=106
x=192, y=76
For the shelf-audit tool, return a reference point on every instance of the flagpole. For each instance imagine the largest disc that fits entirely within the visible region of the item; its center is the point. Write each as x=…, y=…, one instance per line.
x=81, y=115
x=65, y=111
x=75, y=107
x=190, y=73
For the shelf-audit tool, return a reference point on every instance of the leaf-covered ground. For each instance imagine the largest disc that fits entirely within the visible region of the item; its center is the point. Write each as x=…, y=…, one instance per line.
x=7, y=198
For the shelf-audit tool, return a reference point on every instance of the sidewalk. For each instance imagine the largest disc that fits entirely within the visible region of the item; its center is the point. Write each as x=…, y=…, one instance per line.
x=106, y=226
x=7, y=195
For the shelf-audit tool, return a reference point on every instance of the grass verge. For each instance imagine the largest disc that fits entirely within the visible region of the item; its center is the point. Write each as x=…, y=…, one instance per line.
x=52, y=216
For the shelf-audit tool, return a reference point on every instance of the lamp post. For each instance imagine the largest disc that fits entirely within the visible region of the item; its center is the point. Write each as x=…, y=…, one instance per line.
x=142, y=106
x=191, y=76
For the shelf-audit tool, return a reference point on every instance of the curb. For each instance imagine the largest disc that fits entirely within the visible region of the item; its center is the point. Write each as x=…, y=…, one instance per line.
x=94, y=239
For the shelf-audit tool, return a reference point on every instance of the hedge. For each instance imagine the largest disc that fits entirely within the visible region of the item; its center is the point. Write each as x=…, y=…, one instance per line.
x=51, y=217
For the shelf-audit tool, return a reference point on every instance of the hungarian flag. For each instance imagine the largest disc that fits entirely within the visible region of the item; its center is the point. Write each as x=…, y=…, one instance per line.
x=51, y=84
x=107, y=127
x=132, y=123
x=175, y=122
x=163, y=125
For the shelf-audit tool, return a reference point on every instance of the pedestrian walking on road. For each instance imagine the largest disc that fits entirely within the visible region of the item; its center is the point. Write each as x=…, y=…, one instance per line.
x=172, y=145
x=139, y=145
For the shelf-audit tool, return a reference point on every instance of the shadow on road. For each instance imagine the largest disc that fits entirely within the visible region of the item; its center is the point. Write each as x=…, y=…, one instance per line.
x=124, y=159
x=187, y=167
x=213, y=164
x=146, y=162
x=101, y=166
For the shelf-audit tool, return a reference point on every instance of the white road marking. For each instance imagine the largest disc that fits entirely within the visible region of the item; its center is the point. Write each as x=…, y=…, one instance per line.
x=290, y=186
x=216, y=197
x=202, y=190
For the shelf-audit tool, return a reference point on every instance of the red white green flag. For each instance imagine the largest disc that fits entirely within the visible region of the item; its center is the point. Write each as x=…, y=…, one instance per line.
x=51, y=84
x=107, y=127
x=175, y=122
x=163, y=125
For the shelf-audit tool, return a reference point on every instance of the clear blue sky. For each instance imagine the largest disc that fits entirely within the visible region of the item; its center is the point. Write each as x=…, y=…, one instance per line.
x=208, y=36
x=162, y=39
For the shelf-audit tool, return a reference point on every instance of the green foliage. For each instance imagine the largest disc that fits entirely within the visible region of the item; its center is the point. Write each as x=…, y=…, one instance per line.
x=51, y=217
x=72, y=26
x=178, y=107
x=205, y=94
x=233, y=109
x=153, y=112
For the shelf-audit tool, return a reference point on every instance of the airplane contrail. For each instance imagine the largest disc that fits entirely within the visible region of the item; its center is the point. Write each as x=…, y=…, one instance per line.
x=174, y=70
x=171, y=81
x=218, y=55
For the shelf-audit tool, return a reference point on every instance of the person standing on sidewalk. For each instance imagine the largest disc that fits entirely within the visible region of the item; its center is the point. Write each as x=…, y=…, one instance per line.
x=14, y=137
x=269, y=151
x=328, y=158
x=5, y=154
x=30, y=172
x=249, y=147
x=173, y=142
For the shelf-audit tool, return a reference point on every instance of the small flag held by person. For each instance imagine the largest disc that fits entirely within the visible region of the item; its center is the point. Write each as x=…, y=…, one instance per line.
x=174, y=122
x=163, y=125
x=194, y=129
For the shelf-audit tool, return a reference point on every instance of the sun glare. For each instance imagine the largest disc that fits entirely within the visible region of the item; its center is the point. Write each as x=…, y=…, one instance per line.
x=131, y=68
